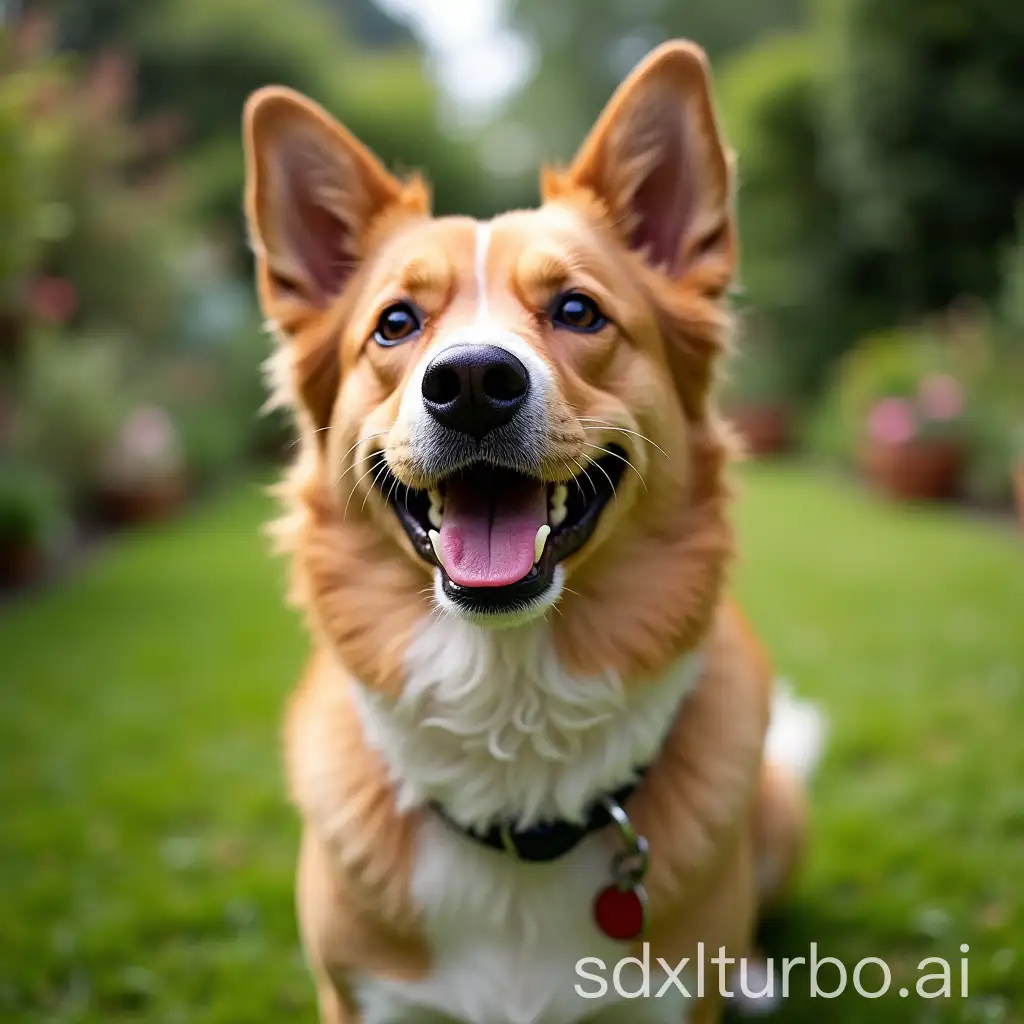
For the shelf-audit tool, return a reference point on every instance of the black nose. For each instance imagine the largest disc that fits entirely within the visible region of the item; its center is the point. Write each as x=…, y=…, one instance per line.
x=474, y=388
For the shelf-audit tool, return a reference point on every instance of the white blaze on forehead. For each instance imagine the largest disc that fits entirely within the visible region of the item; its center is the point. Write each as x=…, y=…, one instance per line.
x=483, y=244
x=482, y=330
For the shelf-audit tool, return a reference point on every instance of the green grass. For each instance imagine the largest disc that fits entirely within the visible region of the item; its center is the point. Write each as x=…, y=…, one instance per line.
x=146, y=851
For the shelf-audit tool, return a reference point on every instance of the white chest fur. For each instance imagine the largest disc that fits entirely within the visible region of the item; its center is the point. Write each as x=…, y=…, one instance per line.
x=506, y=939
x=491, y=725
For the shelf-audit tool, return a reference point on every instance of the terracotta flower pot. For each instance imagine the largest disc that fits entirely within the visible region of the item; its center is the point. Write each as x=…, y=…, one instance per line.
x=767, y=429
x=921, y=469
x=20, y=563
x=156, y=500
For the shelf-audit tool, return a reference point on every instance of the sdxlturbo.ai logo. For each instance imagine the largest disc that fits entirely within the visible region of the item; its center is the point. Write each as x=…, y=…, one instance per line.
x=827, y=977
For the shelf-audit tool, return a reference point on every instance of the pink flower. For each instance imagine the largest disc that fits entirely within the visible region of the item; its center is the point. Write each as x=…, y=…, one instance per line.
x=941, y=397
x=149, y=433
x=53, y=299
x=892, y=421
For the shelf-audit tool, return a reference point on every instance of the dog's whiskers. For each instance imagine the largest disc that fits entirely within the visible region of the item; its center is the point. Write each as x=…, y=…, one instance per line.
x=358, y=462
x=601, y=424
x=304, y=437
x=614, y=455
x=369, y=437
x=571, y=476
x=583, y=470
x=615, y=493
x=373, y=483
x=393, y=487
x=345, y=472
x=373, y=469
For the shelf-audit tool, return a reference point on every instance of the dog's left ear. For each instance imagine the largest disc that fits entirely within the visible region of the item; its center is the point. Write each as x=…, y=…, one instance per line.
x=656, y=161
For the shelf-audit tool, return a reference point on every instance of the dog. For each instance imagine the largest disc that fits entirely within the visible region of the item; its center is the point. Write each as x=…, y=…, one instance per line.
x=531, y=734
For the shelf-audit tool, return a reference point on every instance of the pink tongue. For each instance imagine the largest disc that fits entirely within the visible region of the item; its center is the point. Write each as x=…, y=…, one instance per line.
x=488, y=532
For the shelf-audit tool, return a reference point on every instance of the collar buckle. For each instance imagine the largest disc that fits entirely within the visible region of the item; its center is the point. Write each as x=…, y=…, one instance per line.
x=630, y=864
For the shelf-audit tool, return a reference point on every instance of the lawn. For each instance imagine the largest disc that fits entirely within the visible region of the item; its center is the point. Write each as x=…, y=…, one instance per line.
x=146, y=850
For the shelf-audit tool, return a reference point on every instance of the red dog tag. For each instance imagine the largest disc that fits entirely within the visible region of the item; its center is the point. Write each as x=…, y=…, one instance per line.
x=619, y=913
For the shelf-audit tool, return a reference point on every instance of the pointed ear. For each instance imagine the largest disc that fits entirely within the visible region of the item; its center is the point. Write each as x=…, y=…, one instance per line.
x=312, y=193
x=656, y=161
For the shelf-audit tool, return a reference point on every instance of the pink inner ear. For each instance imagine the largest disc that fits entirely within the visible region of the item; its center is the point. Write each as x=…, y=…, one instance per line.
x=318, y=240
x=663, y=202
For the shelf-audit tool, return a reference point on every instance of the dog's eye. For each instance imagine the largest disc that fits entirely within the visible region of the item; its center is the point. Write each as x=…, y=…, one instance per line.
x=398, y=323
x=578, y=312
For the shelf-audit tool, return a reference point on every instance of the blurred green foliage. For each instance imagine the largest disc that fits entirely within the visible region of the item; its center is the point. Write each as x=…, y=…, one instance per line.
x=31, y=152
x=125, y=296
x=198, y=61
x=881, y=162
x=116, y=312
x=585, y=47
x=925, y=127
x=31, y=519
x=881, y=159
x=787, y=208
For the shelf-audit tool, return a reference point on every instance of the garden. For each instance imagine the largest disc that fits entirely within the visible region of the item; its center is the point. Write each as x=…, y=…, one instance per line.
x=147, y=849
x=881, y=301
x=130, y=345
x=147, y=852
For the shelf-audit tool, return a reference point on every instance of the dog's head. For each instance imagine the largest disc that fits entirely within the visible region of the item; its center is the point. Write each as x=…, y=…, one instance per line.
x=502, y=417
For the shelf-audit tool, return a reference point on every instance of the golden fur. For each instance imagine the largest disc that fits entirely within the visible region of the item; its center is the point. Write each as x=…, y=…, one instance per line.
x=648, y=587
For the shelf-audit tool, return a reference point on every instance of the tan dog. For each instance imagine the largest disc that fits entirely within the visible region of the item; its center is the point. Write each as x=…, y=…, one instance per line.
x=530, y=704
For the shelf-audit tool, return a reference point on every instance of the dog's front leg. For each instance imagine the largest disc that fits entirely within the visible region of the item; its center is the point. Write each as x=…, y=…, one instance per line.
x=318, y=908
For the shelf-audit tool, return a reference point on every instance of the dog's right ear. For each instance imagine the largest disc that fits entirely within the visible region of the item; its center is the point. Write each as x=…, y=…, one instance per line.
x=313, y=192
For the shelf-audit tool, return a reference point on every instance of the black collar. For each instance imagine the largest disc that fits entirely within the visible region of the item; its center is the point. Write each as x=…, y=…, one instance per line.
x=549, y=840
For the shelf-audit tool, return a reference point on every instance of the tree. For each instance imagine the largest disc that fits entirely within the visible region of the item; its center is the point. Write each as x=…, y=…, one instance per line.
x=585, y=47
x=197, y=61
x=925, y=134
x=790, y=255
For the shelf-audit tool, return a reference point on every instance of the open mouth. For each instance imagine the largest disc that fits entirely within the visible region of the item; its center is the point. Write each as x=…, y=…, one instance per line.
x=498, y=535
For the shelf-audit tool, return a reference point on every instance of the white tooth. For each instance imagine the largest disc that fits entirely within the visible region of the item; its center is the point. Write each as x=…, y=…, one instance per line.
x=557, y=512
x=435, y=543
x=539, y=541
x=435, y=515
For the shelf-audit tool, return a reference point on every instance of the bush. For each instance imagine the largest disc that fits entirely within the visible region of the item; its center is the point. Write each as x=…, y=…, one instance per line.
x=997, y=427
x=198, y=61
x=954, y=378
x=32, y=149
x=891, y=388
x=925, y=131
x=761, y=372
x=74, y=395
x=996, y=445
x=787, y=207
x=31, y=518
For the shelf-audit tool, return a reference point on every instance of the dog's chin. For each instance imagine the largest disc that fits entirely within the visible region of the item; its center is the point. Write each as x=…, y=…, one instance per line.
x=496, y=537
x=504, y=614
